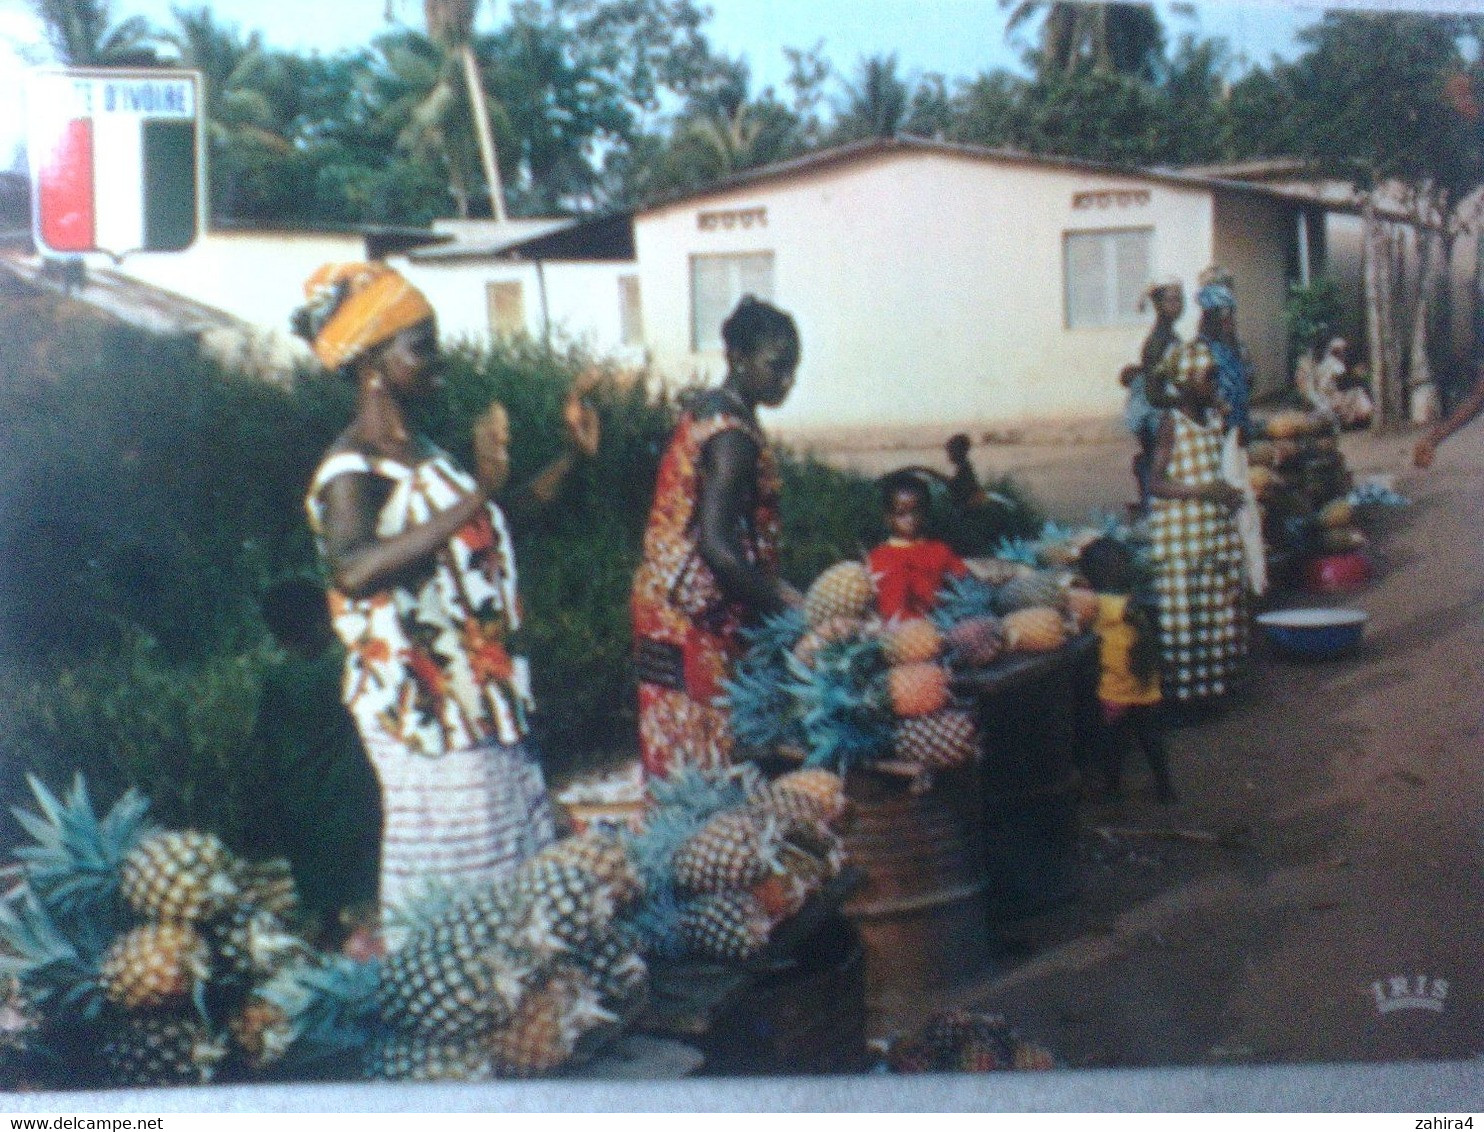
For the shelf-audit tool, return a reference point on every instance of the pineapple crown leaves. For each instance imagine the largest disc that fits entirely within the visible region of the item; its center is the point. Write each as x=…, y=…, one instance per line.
x=703, y=793
x=332, y=1006
x=75, y=861
x=763, y=711
x=1017, y=549
x=51, y=967
x=656, y=924
x=777, y=632
x=846, y=717
x=962, y=598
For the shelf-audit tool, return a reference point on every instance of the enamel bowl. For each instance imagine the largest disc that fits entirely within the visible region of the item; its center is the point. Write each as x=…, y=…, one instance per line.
x=1314, y=633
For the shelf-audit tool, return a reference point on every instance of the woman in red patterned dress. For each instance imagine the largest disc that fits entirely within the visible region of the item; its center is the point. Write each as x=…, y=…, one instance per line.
x=711, y=547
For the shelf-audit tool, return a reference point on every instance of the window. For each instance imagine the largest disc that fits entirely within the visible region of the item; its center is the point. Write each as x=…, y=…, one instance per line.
x=1106, y=274
x=630, y=312
x=507, y=308
x=717, y=282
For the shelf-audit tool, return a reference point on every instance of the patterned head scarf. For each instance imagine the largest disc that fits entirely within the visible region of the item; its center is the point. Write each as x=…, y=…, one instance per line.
x=1216, y=297
x=354, y=306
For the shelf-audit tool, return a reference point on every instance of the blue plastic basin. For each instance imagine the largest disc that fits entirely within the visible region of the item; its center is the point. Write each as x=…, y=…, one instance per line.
x=1314, y=633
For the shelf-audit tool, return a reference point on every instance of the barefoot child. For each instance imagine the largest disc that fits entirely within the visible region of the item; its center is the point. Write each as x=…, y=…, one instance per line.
x=1128, y=656
x=909, y=567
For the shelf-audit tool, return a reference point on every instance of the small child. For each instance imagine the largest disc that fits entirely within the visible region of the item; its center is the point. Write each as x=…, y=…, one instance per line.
x=965, y=491
x=1128, y=657
x=909, y=567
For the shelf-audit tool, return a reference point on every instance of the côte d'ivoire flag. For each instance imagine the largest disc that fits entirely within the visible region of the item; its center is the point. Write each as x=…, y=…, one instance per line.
x=115, y=159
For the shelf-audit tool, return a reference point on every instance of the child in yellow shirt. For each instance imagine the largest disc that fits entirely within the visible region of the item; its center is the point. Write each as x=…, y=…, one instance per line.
x=1128, y=659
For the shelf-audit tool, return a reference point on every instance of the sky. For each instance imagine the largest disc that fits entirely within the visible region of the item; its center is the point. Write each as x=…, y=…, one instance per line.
x=955, y=38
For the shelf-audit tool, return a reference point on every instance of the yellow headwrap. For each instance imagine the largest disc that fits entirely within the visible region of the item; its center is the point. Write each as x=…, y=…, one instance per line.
x=378, y=304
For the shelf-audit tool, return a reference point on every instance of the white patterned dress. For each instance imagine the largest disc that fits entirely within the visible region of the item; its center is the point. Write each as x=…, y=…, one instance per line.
x=1197, y=555
x=440, y=704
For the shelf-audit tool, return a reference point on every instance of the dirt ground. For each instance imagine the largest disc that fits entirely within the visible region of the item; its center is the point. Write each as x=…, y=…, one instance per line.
x=1328, y=832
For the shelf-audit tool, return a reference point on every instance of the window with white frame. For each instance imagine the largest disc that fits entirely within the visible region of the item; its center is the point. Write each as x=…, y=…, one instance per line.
x=1105, y=274
x=717, y=283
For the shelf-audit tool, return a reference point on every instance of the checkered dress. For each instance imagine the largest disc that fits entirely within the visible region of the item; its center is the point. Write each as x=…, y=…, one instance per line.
x=1198, y=561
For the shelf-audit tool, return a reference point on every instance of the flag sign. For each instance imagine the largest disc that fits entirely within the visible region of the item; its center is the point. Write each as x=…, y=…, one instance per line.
x=115, y=159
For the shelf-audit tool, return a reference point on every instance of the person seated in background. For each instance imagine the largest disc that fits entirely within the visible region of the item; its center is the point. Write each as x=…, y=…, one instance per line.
x=909, y=567
x=965, y=491
x=315, y=795
x=1329, y=387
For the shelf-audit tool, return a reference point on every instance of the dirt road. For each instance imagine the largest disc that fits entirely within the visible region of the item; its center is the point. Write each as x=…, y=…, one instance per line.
x=1345, y=802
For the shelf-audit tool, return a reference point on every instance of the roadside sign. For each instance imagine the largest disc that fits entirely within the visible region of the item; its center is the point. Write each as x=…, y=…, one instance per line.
x=116, y=159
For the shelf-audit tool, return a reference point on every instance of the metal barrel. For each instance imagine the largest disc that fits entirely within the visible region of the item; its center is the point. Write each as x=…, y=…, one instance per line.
x=921, y=913
x=1037, y=731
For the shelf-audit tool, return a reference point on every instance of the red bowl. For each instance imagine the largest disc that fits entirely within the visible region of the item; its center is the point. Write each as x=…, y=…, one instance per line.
x=1338, y=573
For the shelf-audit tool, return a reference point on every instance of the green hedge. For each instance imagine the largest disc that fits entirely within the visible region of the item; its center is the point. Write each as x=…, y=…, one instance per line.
x=148, y=496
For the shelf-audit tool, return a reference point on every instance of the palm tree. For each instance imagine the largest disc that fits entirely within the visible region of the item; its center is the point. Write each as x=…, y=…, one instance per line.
x=243, y=121
x=421, y=92
x=82, y=33
x=1124, y=38
x=877, y=103
x=450, y=26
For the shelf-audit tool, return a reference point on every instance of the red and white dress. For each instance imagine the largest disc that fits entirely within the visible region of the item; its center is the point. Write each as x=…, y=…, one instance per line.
x=440, y=704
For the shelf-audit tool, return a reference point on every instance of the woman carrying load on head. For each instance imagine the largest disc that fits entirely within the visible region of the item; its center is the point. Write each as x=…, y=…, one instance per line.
x=710, y=563
x=422, y=592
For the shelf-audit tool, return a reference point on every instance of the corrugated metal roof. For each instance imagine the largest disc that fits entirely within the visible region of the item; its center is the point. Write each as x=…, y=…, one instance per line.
x=872, y=149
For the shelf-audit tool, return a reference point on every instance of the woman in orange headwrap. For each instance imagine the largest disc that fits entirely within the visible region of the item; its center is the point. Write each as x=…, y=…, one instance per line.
x=423, y=593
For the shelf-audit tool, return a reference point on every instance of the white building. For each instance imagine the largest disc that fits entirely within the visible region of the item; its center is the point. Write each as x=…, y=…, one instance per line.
x=562, y=282
x=939, y=284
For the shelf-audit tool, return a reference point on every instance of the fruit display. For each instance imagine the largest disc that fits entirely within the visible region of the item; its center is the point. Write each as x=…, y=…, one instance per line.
x=964, y=1041
x=1301, y=482
x=135, y=948
x=727, y=856
x=837, y=687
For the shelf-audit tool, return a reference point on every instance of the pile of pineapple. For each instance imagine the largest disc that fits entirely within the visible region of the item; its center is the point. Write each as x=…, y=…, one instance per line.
x=835, y=684
x=135, y=952
x=516, y=978
x=727, y=856
x=965, y=1041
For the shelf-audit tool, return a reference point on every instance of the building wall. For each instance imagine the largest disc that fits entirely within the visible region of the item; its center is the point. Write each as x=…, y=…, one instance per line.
x=255, y=276
x=582, y=305
x=1256, y=240
x=928, y=288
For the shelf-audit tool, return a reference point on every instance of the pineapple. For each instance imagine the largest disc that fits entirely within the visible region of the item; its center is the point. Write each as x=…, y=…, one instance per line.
x=939, y=740
x=977, y=641
x=397, y=1056
x=547, y=1027
x=917, y=689
x=913, y=641
x=248, y=942
x=567, y=905
x=730, y=926
x=788, y=807
x=269, y=885
x=446, y=984
x=161, y=1049
x=616, y=971
x=1038, y=629
x=177, y=875
x=604, y=856
x=261, y=1032
x=1027, y=592
x=154, y=965
x=734, y=850
x=825, y=788
x=844, y=590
